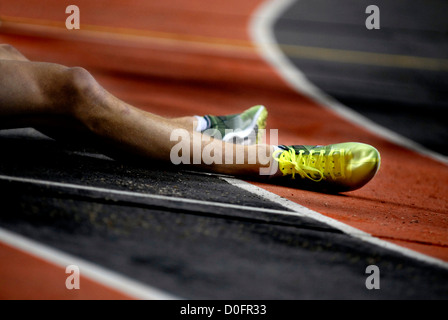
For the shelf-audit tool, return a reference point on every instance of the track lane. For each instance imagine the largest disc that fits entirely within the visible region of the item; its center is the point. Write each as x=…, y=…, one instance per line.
x=19, y=281
x=185, y=85
x=131, y=73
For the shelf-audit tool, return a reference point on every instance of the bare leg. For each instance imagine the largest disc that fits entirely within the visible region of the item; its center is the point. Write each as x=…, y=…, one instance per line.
x=185, y=122
x=149, y=135
x=34, y=93
x=8, y=52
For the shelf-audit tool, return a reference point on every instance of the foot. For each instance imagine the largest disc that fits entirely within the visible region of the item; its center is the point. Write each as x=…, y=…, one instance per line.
x=333, y=168
x=243, y=128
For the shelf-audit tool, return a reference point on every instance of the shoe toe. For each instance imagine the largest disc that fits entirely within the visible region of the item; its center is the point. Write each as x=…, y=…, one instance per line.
x=364, y=165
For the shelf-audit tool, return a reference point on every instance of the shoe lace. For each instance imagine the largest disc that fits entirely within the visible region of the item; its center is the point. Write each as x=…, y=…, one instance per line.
x=313, y=165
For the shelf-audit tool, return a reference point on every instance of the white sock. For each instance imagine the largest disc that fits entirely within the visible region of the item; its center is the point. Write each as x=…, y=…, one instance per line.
x=202, y=124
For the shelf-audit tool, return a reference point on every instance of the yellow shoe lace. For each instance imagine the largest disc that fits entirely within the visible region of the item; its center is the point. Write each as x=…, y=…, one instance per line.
x=313, y=165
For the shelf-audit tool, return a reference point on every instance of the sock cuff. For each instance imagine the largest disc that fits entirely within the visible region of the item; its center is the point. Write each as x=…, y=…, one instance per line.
x=203, y=123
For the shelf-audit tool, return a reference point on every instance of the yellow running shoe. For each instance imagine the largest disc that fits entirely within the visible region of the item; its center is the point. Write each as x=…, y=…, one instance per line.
x=333, y=168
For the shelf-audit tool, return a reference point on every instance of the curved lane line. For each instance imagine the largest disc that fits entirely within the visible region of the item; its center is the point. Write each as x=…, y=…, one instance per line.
x=261, y=31
x=88, y=269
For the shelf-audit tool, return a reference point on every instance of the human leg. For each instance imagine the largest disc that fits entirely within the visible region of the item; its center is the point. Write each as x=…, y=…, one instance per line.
x=34, y=93
x=8, y=52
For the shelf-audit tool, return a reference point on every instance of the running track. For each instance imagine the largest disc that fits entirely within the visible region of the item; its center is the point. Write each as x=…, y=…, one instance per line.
x=181, y=57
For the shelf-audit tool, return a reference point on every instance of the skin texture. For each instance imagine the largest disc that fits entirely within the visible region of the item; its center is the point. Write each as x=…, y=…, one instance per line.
x=69, y=102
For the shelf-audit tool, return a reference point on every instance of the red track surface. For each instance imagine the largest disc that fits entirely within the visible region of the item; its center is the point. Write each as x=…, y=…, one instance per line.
x=27, y=277
x=175, y=57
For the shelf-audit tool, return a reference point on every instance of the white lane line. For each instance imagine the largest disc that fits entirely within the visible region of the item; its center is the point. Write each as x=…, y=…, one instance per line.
x=295, y=207
x=261, y=29
x=140, y=195
x=131, y=286
x=291, y=209
x=94, y=272
x=354, y=232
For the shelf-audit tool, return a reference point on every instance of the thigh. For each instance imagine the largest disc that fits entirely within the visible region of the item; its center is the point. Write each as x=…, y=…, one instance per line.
x=34, y=94
x=32, y=88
